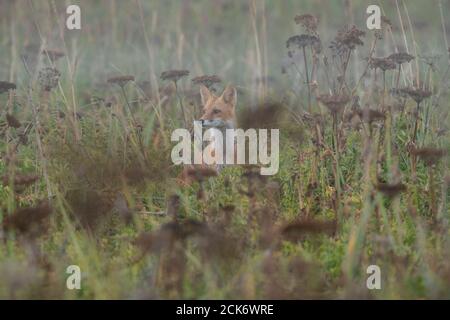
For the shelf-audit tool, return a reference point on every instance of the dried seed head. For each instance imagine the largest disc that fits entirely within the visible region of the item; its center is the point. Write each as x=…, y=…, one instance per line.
x=6, y=86
x=12, y=121
x=350, y=38
x=22, y=180
x=382, y=63
x=390, y=190
x=174, y=75
x=295, y=231
x=301, y=41
x=308, y=21
x=417, y=94
x=401, y=57
x=29, y=222
x=48, y=78
x=121, y=81
x=429, y=155
x=335, y=103
x=207, y=81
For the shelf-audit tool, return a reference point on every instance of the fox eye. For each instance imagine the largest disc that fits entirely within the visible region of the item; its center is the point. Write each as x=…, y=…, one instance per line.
x=216, y=111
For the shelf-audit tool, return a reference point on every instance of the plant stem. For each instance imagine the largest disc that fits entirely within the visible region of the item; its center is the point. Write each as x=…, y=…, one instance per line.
x=414, y=138
x=384, y=89
x=135, y=128
x=307, y=80
x=181, y=104
x=345, y=70
x=416, y=123
x=128, y=106
x=433, y=200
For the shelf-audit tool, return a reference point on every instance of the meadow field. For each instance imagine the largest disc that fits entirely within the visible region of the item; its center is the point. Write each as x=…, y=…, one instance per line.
x=87, y=180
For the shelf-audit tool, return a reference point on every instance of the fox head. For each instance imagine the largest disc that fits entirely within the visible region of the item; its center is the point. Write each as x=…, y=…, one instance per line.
x=218, y=111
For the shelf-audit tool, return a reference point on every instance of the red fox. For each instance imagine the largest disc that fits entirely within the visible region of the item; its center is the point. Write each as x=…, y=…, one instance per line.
x=218, y=113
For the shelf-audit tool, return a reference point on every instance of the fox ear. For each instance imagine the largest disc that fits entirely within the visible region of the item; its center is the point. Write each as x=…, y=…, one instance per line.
x=205, y=94
x=229, y=95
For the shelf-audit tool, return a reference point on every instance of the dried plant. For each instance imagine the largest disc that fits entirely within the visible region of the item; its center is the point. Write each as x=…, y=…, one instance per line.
x=390, y=190
x=342, y=47
x=417, y=94
x=121, y=81
x=308, y=21
x=6, y=86
x=334, y=103
x=12, y=121
x=429, y=155
x=207, y=81
x=302, y=41
x=349, y=38
x=29, y=222
x=174, y=75
x=22, y=180
x=399, y=58
x=49, y=78
x=297, y=230
x=383, y=64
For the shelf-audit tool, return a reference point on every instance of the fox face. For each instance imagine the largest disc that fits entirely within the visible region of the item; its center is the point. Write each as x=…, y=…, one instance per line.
x=218, y=112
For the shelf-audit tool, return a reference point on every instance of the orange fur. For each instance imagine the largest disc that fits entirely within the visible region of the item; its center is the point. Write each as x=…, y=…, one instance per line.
x=221, y=108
